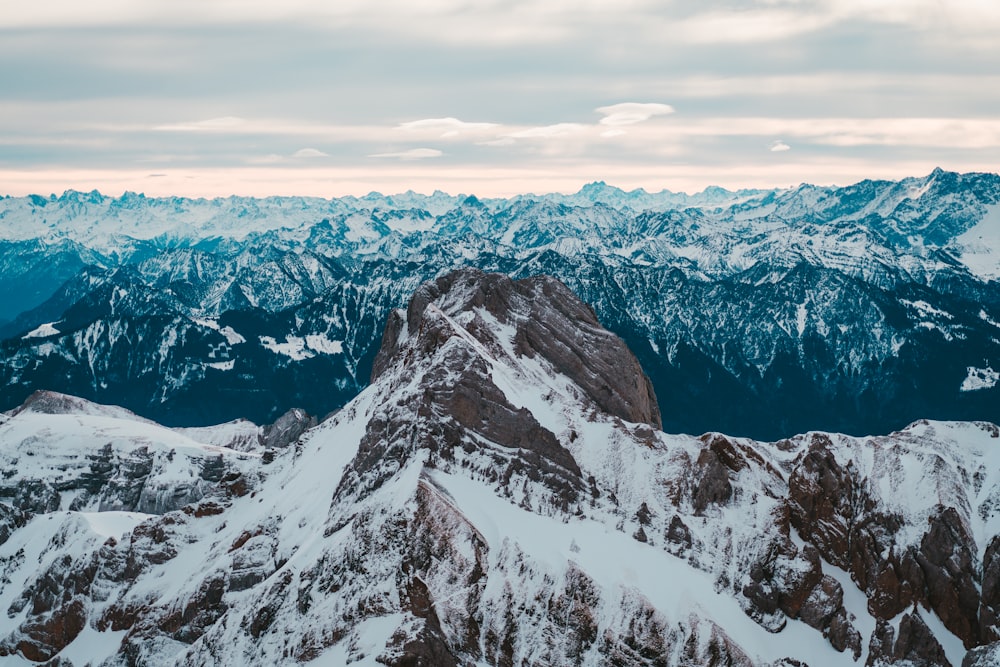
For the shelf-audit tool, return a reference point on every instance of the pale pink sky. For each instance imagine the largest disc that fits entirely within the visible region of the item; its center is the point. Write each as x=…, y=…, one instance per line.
x=219, y=97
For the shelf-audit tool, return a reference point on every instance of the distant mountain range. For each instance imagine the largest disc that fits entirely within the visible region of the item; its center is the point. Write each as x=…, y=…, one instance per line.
x=760, y=312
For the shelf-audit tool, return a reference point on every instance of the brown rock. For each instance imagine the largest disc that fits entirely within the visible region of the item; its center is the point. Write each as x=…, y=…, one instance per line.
x=946, y=558
x=842, y=635
x=725, y=450
x=551, y=322
x=819, y=496
x=429, y=648
x=989, y=614
x=678, y=536
x=825, y=600
x=45, y=637
x=881, y=644
x=713, y=484
x=915, y=643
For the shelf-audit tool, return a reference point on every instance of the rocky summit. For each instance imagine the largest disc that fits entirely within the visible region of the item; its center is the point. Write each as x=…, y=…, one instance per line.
x=500, y=494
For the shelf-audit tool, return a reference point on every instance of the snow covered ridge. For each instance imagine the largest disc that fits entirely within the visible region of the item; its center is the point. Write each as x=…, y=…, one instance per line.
x=717, y=231
x=498, y=497
x=754, y=313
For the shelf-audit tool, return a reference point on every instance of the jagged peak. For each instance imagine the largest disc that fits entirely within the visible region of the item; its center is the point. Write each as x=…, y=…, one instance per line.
x=547, y=321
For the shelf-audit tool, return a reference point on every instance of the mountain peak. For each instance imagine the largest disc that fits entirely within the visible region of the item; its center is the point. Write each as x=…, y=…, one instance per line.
x=543, y=319
x=598, y=189
x=54, y=403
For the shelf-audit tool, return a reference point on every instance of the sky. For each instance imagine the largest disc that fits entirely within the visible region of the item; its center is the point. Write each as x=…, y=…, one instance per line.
x=491, y=97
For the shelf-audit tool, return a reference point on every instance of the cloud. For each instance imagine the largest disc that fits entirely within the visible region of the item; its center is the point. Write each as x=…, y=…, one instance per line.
x=751, y=26
x=445, y=127
x=502, y=141
x=638, y=24
x=630, y=113
x=412, y=154
x=779, y=146
x=941, y=132
x=223, y=124
x=465, y=22
x=233, y=125
x=547, y=131
x=616, y=132
x=309, y=153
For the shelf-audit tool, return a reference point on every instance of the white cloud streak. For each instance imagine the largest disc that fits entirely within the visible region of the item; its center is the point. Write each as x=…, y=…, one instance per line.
x=630, y=113
x=548, y=131
x=412, y=154
x=309, y=153
x=445, y=127
x=223, y=124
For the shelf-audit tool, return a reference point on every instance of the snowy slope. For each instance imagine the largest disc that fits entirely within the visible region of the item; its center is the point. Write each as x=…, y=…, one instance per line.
x=499, y=496
x=62, y=453
x=980, y=245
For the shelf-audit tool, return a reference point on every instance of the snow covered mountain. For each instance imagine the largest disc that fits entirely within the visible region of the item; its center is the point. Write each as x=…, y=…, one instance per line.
x=500, y=494
x=761, y=313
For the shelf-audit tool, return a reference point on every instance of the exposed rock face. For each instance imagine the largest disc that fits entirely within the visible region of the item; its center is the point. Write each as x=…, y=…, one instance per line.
x=10, y=520
x=988, y=621
x=459, y=397
x=109, y=459
x=288, y=428
x=842, y=511
x=550, y=322
x=983, y=656
x=914, y=645
x=947, y=562
x=501, y=495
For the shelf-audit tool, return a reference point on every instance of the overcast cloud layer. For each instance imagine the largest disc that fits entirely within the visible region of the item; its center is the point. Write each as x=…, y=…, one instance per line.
x=492, y=97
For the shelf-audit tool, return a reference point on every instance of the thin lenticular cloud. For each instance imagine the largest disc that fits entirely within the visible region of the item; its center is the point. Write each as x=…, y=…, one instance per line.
x=224, y=124
x=412, y=154
x=548, y=131
x=629, y=113
x=502, y=141
x=446, y=127
x=309, y=153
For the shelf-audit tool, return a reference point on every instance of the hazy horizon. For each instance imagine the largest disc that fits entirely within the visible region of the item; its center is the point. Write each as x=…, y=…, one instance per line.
x=305, y=98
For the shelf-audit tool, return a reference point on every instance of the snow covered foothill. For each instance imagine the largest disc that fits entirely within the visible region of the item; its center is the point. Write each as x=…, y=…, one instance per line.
x=239, y=434
x=61, y=452
x=979, y=246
